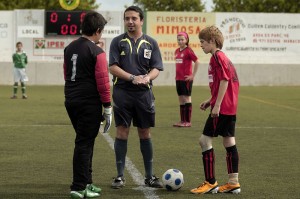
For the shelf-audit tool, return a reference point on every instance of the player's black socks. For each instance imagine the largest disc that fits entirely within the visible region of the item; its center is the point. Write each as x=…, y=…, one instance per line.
x=120, y=151
x=188, y=112
x=232, y=159
x=182, y=113
x=147, y=152
x=208, y=158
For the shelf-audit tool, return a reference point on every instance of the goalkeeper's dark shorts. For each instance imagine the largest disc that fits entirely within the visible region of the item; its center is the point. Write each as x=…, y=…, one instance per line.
x=184, y=87
x=135, y=106
x=224, y=125
x=85, y=119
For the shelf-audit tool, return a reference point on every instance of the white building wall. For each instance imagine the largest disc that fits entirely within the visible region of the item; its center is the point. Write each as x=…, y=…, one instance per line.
x=51, y=73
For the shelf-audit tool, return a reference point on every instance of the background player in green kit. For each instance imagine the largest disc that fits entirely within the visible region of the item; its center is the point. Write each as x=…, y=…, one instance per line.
x=20, y=62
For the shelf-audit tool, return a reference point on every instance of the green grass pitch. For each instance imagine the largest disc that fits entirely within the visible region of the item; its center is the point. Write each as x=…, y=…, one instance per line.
x=37, y=140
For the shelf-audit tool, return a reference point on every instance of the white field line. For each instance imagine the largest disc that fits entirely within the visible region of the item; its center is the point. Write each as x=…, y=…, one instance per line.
x=270, y=103
x=34, y=125
x=137, y=177
x=134, y=172
x=267, y=127
x=59, y=125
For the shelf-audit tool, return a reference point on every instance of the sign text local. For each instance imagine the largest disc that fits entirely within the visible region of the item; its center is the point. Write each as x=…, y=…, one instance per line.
x=30, y=31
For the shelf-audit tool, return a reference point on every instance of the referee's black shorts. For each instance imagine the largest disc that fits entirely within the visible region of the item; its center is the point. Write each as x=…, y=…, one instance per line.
x=224, y=125
x=135, y=106
x=184, y=87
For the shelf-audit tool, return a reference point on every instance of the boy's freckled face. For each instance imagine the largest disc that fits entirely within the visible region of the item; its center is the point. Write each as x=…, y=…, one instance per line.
x=206, y=46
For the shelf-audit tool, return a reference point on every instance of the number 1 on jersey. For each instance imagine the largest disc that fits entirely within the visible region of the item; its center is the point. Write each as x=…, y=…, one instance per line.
x=74, y=60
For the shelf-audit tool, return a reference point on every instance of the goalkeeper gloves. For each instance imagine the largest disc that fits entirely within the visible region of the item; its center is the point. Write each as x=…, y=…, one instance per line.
x=107, y=116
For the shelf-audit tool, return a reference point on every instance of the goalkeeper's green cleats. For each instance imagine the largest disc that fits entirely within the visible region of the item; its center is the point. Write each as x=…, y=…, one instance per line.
x=77, y=194
x=84, y=194
x=93, y=188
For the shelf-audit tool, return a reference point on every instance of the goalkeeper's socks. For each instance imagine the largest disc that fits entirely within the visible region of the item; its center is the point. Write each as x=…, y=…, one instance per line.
x=120, y=151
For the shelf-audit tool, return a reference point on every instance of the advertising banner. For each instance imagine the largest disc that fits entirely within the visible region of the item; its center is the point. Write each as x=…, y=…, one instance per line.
x=7, y=36
x=50, y=48
x=250, y=38
x=30, y=23
x=261, y=37
x=164, y=26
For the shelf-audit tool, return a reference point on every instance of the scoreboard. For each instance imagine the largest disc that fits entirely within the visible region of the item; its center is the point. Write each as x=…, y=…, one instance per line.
x=63, y=22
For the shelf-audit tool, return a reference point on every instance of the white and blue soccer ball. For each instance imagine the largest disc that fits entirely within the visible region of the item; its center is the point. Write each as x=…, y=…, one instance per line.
x=172, y=179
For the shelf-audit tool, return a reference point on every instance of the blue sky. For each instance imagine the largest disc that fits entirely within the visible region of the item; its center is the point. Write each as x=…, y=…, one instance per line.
x=114, y=5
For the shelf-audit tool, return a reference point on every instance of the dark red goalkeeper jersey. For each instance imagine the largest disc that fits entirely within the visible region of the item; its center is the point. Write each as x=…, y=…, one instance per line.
x=86, y=73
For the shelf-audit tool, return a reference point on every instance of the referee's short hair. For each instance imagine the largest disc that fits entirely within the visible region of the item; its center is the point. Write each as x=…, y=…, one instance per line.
x=92, y=22
x=136, y=9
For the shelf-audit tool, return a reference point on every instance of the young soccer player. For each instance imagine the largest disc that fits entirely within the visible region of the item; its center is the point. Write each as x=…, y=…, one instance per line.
x=224, y=86
x=20, y=61
x=185, y=74
x=87, y=94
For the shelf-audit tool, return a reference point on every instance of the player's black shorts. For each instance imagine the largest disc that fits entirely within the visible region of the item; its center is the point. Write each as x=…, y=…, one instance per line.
x=135, y=106
x=224, y=125
x=184, y=87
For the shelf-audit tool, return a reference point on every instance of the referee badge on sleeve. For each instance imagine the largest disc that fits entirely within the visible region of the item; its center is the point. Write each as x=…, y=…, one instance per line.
x=147, y=53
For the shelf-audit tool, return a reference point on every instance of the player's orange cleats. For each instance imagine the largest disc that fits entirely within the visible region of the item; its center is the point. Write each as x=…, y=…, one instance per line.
x=206, y=187
x=230, y=188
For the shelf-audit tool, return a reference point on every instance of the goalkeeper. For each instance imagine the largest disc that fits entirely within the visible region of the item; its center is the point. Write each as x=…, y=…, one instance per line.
x=87, y=89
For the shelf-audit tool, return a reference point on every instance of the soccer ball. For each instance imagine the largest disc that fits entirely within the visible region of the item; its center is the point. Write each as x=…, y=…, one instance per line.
x=172, y=179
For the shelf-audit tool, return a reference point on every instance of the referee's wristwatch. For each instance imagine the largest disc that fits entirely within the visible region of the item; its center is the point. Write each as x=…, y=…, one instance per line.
x=132, y=77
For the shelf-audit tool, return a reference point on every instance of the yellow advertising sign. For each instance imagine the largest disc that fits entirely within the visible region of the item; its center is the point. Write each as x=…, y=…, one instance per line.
x=164, y=26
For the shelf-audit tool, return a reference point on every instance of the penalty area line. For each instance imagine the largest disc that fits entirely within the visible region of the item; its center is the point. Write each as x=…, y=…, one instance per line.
x=137, y=177
x=267, y=127
x=270, y=103
x=60, y=125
